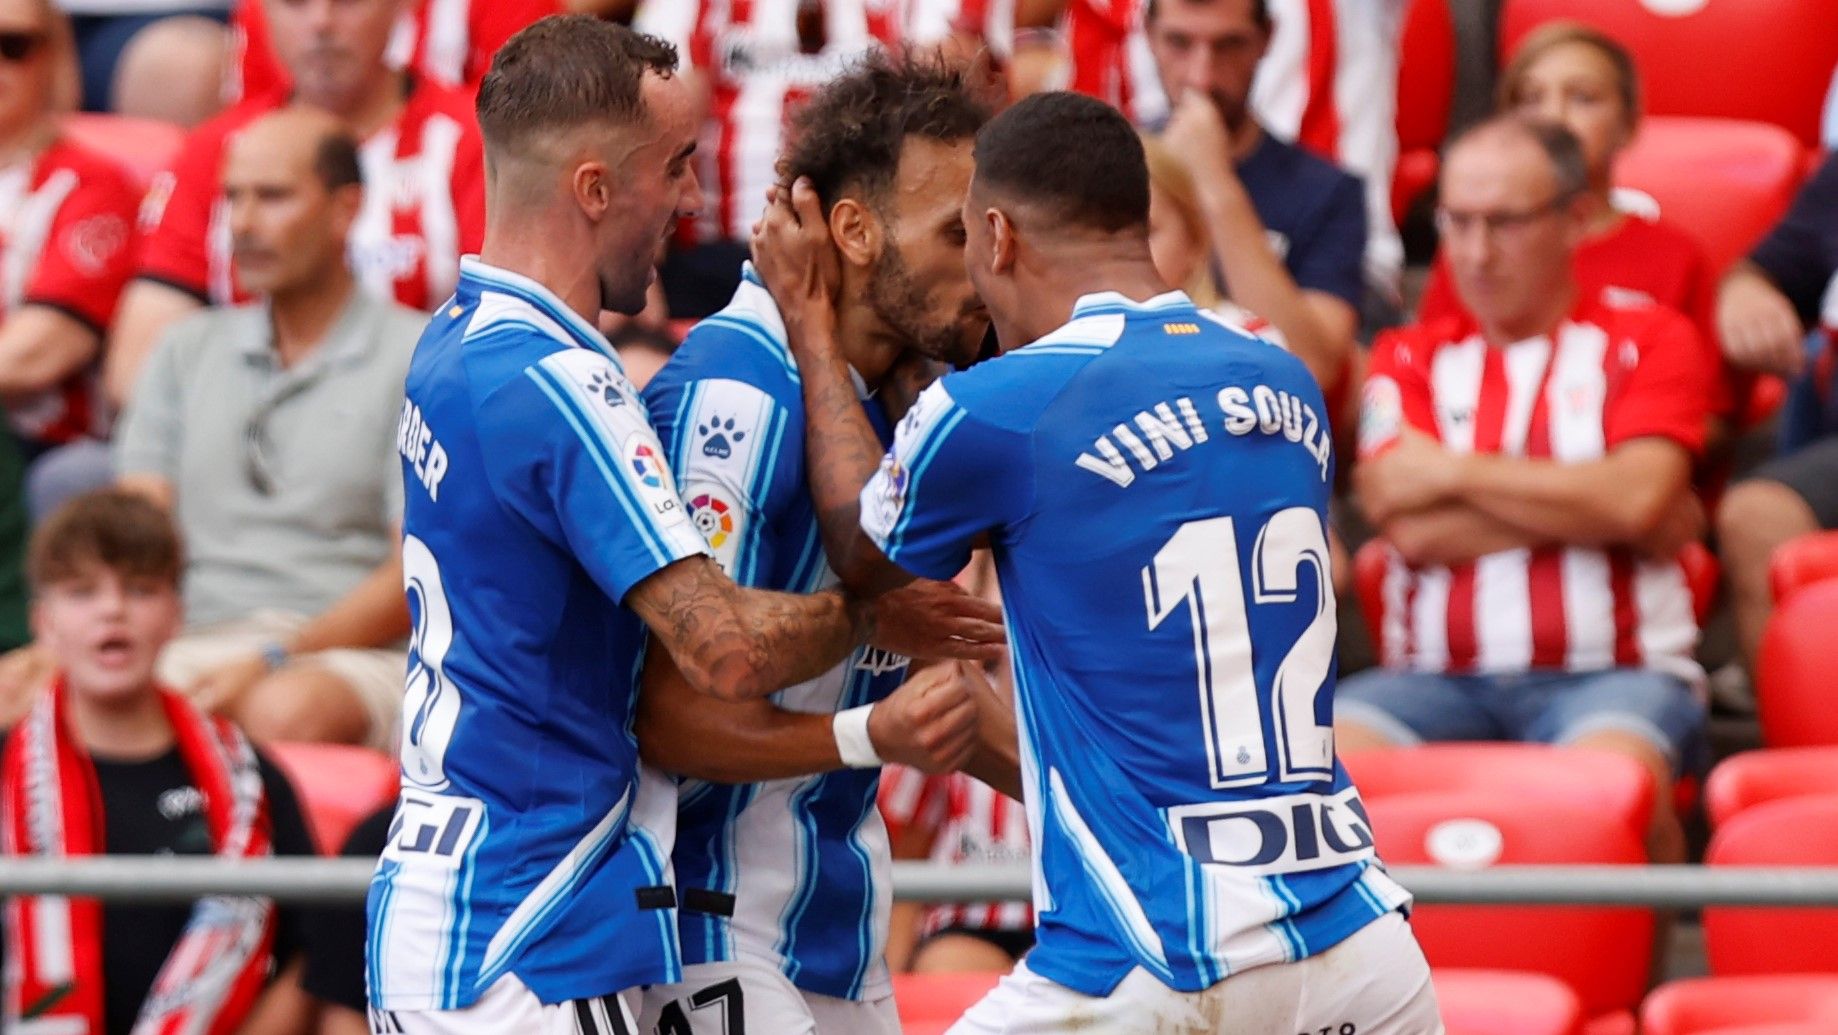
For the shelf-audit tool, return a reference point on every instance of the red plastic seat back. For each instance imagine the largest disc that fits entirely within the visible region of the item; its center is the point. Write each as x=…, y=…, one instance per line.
x=930, y=1003
x=339, y=785
x=1753, y=778
x=1596, y=780
x=1792, y=832
x=1794, y=672
x=1426, y=92
x=1678, y=54
x=1696, y=1006
x=1601, y=953
x=1723, y=181
x=1802, y=561
x=1499, y=1002
x=141, y=147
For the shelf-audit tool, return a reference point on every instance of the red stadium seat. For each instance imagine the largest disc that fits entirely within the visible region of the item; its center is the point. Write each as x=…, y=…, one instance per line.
x=141, y=147
x=1753, y=778
x=1677, y=53
x=1801, y=562
x=1723, y=181
x=1602, y=954
x=931, y=1003
x=1793, y=672
x=1426, y=91
x=1499, y=1002
x=1792, y=832
x=1612, y=784
x=339, y=785
x=1820, y=1028
x=1699, y=1006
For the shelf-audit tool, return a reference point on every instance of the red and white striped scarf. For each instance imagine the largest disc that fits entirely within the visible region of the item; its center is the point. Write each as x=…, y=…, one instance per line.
x=51, y=806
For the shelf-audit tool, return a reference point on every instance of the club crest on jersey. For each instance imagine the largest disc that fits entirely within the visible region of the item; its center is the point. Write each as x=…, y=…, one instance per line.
x=713, y=518
x=719, y=436
x=603, y=385
x=646, y=465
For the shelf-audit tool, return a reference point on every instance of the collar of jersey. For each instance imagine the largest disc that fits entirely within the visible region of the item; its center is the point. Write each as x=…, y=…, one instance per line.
x=1101, y=302
x=498, y=279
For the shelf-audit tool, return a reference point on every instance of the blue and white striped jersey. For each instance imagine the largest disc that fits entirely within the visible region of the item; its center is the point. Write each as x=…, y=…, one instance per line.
x=537, y=496
x=793, y=872
x=1154, y=485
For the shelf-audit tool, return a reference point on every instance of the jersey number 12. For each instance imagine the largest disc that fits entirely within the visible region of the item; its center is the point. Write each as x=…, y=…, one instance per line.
x=1198, y=566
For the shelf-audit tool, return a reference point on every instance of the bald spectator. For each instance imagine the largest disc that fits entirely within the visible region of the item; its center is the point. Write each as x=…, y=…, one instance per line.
x=269, y=429
x=420, y=148
x=1530, y=466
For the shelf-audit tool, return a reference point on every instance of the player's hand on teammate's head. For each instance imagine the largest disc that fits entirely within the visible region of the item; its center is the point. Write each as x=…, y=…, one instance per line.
x=927, y=619
x=930, y=722
x=794, y=254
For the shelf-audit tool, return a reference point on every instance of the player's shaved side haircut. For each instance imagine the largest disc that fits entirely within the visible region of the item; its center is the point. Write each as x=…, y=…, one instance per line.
x=851, y=133
x=565, y=71
x=1076, y=157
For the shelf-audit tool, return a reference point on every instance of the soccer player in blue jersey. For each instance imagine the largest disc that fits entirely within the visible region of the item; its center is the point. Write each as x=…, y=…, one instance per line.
x=1154, y=486
x=526, y=884
x=782, y=868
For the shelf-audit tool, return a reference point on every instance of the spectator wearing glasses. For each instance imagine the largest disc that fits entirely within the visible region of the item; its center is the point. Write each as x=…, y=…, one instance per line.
x=66, y=250
x=1528, y=460
x=270, y=430
x=1573, y=76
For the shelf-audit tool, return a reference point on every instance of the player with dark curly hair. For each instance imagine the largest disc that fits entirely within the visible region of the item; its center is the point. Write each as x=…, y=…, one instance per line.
x=783, y=882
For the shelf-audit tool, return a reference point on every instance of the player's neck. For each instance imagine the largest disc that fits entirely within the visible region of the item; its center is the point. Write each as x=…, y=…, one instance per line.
x=302, y=318
x=1080, y=269
x=1543, y=319
x=536, y=245
x=868, y=344
x=134, y=728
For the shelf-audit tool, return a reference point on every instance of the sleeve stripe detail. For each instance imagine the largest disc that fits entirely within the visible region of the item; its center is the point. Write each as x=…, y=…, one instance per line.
x=758, y=334
x=934, y=441
x=605, y=458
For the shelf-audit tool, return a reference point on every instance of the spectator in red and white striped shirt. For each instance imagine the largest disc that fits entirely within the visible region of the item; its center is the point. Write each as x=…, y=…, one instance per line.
x=1530, y=467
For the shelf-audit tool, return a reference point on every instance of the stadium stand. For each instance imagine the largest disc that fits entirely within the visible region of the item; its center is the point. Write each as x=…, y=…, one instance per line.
x=1802, y=562
x=1503, y=1002
x=1602, y=954
x=1794, y=832
x=1426, y=88
x=338, y=785
x=141, y=147
x=1793, y=670
x=1674, y=51
x=1754, y=778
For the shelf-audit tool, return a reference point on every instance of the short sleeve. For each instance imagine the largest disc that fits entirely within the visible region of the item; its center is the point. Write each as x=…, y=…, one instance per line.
x=1801, y=253
x=726, y=441
x=1332, y=260
x=949, y=479
x=1396, y=396
x=90, y=253
x=175, y=218
x=147, y=439
x=1668, y=392
x=573, y=452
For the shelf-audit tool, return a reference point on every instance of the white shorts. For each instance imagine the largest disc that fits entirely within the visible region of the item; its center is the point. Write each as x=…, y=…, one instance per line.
x=1374, y=983
x=752, y=997
x=375, y=676
x=507, y=1006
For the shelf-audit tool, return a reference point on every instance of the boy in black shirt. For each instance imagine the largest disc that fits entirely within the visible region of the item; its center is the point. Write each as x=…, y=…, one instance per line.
x=108, y=762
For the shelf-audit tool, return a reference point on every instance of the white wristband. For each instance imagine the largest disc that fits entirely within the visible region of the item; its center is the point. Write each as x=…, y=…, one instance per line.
x=852, y=740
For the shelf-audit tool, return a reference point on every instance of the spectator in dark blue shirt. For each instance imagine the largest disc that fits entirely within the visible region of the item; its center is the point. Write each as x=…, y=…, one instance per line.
x=1288, y=229
x=1769, y=316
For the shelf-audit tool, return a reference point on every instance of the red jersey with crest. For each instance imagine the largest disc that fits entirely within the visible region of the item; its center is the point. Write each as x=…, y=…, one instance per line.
x=761, y=58
x=448, y=41
x=1612, y=372
x=424, y=203
x=67, y=242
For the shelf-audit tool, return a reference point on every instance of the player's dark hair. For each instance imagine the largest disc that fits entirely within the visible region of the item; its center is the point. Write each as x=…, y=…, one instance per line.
x=564, y=71
x=1077, y=156
x=850, y=134
x=1260, y=10
x=121, y=531
x=1559, y=145
x=336, y=162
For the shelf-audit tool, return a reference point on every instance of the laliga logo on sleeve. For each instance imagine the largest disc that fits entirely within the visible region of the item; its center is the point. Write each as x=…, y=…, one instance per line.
x=712, y=518
x=646, y=465
x=653, y=484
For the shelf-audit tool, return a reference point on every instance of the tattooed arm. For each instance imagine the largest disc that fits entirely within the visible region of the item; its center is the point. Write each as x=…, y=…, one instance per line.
x=795, y=256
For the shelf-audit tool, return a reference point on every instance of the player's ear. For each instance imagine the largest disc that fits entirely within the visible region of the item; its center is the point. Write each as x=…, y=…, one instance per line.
x=1002, y=243
x=856, y=231
x=594, y=188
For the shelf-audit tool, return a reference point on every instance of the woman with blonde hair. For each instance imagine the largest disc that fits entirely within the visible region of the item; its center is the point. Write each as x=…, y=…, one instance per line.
x=66, y=242
x=1572, y=75
x=1180, y=243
